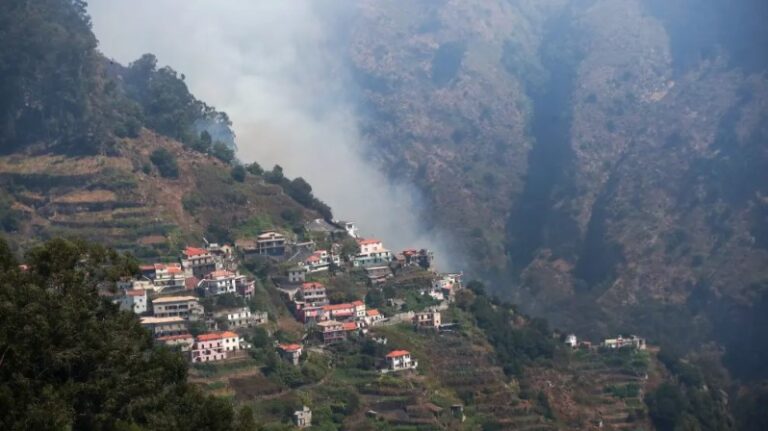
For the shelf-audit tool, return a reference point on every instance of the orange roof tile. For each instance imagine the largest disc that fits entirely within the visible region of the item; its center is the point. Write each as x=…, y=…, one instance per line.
x=216, y=336
x=349, y=326
x=333, y=307
x=194, y=251
x=373, y=312
x=136, y=292
x=358, y=303
x=290, y=347
x=368, y=241
x=312, y=285
x=221, y=273
x=398, y=353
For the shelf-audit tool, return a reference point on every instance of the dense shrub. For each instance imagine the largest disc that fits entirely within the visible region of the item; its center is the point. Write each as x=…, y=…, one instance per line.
x=165, y=163
x=238, y=173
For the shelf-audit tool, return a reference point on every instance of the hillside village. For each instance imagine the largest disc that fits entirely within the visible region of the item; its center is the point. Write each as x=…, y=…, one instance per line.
x=287, y=297
x=199, y=304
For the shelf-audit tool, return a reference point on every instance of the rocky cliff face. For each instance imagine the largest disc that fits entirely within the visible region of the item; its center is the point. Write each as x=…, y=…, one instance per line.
x=596, y=157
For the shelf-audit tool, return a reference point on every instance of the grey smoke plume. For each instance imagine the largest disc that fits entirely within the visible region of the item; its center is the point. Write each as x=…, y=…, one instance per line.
x=277, y=68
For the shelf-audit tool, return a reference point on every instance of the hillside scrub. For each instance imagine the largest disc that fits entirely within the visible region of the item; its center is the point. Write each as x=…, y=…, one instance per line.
x=516, y=345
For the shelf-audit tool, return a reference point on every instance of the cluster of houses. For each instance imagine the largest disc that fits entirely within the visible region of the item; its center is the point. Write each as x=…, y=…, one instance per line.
x=167, y=299
x=632, y=341
x=167, y=295
x=310, y=304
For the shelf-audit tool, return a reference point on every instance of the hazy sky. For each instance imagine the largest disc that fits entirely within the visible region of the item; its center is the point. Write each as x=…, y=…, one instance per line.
x=277, y=68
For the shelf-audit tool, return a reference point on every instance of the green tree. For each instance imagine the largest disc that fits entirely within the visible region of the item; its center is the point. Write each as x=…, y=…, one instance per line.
x=255, y=169
x=222, y=152
x=71, y=360
x=165, y=163
x=238, y=173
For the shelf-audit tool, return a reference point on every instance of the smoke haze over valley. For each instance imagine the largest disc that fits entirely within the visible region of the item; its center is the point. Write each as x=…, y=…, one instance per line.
x=278, y=70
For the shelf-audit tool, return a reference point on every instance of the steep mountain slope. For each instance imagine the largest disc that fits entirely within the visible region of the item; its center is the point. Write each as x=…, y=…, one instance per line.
x=126, y=156
x=121, y=200
x=600, y=162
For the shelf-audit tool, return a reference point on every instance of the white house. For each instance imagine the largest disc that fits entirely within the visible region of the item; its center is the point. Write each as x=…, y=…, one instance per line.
x=571, y=341
x=631, y=341
x=321, y=260
x=350, y=227
x=372, y=253
x=241, y=317
x=290, y=352
x=167, y=276
x=134, y=300
x=223, y=281
x=297, y=274
x=215, y=346
x=197, y=262
x=303, y=418
x=399, y=360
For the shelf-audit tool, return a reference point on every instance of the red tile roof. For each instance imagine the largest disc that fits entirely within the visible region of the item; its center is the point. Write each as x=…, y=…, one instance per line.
x=221, y=273
x=373, y=312
x=398, y=353
x=170, y=267
x=312, y=285
x=368, y=241
x=349, y=326
x=194, y=251
x=334, y=307
x=290, y=347
x=216, y=336
x=358, y=303
x=136, y=292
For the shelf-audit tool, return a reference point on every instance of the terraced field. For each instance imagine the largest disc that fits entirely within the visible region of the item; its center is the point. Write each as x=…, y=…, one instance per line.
x=598, y=390
x=120, y=200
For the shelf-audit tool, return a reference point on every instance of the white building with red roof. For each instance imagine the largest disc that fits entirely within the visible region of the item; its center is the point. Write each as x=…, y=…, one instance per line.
x=165, y=276
x=197, y=262
x=290, y=352
x=372, y=253
x=372, y=317
x=359, y=307
x=321, y=260
x=215, y=346
x=399, y=360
